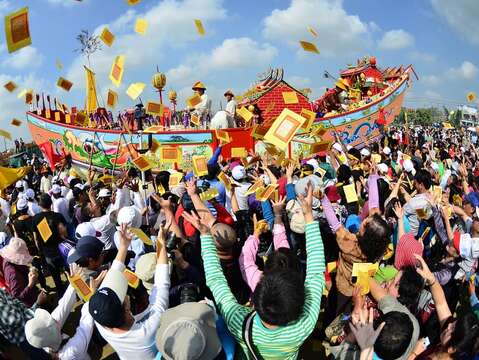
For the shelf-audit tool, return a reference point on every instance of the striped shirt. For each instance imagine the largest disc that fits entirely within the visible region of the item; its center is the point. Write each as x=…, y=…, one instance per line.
x=282, y=342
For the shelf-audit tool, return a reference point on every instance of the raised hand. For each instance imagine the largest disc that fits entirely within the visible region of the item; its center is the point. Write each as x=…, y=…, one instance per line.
x=398, y=210
x=125, y=235
x=278, y=206
x=307, y=203
x=202, y=226
x=424, y=271
x=191, y=187
x=96, y=282
x=364, y=330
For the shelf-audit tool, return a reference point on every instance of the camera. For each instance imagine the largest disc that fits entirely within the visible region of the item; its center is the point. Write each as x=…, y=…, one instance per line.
x=189, y=292
x=171, y=243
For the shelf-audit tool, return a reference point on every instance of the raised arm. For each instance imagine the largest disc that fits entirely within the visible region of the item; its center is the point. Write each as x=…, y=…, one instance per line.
x=443, y=311
x=200, y=207
x=373, y=194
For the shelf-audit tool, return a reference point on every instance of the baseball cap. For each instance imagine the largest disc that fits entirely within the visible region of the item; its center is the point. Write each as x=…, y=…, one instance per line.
x=42, y=331
x=386, y=150
x=104, y=193
x=106, y=304
x=56, y=189
x=30, y=194
x=85, y=229
x=19, y=184
x=365, y=152
x=22, y=204
x=238, y=172
x=87, y=247
x=129, y=215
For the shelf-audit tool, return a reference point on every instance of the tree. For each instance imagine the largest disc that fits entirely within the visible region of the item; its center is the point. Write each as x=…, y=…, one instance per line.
x=89, y=44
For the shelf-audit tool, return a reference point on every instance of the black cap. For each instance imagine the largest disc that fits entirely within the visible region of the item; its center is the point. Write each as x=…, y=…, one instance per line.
x=105, y=308
x=87, y=247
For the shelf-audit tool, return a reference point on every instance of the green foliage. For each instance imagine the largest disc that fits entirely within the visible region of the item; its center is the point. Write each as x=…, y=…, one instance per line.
x=421, y=116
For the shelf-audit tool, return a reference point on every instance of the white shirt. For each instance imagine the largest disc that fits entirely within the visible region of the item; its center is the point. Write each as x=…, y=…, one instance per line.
x=139, y=341
x=231, y=107
x=60, y=206
x=241, y=197
x=33, y=208
x=77, y=347
x=45, y=184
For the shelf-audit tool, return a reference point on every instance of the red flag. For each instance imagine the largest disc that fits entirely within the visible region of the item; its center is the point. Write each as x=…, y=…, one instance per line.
x=50, y=155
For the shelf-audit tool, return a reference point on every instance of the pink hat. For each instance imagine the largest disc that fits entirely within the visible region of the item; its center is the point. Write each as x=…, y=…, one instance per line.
x=16, y=252
x=406, y=248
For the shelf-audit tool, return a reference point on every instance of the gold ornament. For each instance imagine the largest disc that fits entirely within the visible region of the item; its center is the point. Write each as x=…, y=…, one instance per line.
x=159, y=81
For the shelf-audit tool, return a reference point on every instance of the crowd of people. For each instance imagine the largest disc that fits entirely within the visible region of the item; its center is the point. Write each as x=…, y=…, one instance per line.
x=372, y=252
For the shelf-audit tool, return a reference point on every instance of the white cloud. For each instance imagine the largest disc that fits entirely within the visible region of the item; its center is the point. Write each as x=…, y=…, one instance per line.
x=299, y=82
x=339, y=32
x=432, y=94
x=461, y=15
x=422, y=56
x=430, y=79
x=28, y=57
x=395, y=40
x=466, y=71
x=148, y=51
x=240, y=52
x=12, y=107
x=67, y=2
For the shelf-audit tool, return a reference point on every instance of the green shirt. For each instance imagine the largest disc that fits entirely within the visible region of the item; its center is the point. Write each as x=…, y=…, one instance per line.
x=282, y=342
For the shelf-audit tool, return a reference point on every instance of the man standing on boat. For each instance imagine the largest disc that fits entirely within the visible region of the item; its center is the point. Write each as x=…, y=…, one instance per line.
x=202, y=110
x=230, y=107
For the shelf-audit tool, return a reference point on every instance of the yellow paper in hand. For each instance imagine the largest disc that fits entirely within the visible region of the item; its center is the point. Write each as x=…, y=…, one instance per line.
x=107, y=37
x=258, y=184
x=175, y=179
x=44, y=229
x=369, y=268
x=140, y=26
x=81, y=287
x=290, y=97
x=350, y=193
x=209, y=194
x=225, y=180
x=310, y=116
x=376, y=158
x=332, y=266
x=133, y=280
x=194, y=100
x=142, y=163
x=135, y=90
x=141, y=235
x=223, y=136
x=308, y=46
x=363, y=282
x=170, y=154
x=200, y=165
x=199, y=27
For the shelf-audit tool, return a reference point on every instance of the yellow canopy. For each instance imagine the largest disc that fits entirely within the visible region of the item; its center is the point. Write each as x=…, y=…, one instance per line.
x=8, y=176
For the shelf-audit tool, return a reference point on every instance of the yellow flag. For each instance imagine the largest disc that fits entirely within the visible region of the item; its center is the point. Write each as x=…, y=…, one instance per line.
x=17, y=30
x=117, y=69
x=91, y=100
x=140, y=26
x=199, y=27
x=135, y=90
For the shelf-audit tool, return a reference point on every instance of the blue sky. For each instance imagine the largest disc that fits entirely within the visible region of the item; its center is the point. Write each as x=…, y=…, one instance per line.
x=244, y=38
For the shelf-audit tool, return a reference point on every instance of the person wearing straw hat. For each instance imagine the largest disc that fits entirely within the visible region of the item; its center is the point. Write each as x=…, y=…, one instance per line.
x=202, y=110
x=20, y=280
x=230, y=107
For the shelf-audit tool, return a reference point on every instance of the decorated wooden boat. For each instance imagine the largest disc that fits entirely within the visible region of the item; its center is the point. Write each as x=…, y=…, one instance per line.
x=55, y=129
